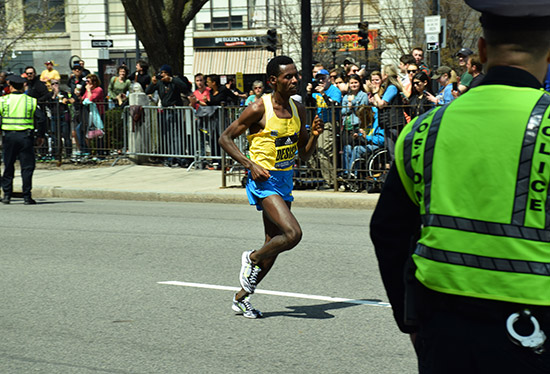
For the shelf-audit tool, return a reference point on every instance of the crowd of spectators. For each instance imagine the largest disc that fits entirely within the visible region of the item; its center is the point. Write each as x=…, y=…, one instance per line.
x=363, y=111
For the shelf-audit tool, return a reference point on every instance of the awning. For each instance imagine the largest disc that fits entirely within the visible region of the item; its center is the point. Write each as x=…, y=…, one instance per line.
x=227, y=61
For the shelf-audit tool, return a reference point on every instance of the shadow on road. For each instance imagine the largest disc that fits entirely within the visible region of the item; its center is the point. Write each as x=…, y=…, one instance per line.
x=319, y=311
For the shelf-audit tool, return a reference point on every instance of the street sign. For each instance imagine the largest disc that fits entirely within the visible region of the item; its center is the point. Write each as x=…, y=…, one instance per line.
x=432, y=25
x=432, y=38
x=102, y=43
x=433, y=47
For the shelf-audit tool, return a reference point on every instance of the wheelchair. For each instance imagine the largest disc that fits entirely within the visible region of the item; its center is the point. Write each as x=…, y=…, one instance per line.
x=370, y=172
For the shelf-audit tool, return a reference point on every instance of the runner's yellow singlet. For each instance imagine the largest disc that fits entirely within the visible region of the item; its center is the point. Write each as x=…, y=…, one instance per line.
x=276, y=146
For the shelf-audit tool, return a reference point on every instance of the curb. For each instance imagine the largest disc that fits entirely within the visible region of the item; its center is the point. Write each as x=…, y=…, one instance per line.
x=314, y=199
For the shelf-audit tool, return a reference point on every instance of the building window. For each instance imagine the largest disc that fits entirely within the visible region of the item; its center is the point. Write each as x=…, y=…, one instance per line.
x=51, y=10
x=118, y=21
x=225, y=15
x=340, y=12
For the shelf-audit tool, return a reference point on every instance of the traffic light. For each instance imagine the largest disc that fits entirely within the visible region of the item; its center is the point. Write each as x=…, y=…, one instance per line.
x=363, y=34
x=272, y=40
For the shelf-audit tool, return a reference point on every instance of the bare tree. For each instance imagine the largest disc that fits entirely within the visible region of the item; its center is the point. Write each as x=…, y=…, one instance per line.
x=160, y=25
x=19, y=23
x=402, y=26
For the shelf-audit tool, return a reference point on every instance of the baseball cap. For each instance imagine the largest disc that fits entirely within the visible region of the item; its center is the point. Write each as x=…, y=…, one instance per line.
x=48, y=62
x=322, y=72
x=440, y=71
x=349, y=60
x=464, y=52
x=77, y=66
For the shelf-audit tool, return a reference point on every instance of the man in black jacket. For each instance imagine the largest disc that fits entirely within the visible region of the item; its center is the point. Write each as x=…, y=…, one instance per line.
x=35, y=87
x=170, y=90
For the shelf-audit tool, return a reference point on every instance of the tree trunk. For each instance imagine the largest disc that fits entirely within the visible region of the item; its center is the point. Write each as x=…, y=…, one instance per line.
x=160, y=26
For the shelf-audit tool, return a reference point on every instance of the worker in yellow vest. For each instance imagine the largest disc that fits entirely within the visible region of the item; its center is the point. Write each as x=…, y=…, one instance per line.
x=462, y=227
x=20, y=117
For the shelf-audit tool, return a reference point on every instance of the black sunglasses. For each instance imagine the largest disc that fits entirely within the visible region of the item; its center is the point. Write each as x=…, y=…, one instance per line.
x=412, y=71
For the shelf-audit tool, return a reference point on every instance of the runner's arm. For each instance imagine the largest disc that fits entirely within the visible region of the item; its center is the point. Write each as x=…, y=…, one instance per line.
x=250, y=116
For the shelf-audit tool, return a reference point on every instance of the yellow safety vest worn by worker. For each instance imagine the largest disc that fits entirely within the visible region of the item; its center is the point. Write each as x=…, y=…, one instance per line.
x=276, y=146
x=17, y=112
x=479, y=170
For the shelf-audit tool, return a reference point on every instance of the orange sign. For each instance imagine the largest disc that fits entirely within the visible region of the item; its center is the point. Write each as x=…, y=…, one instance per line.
x=348, y=40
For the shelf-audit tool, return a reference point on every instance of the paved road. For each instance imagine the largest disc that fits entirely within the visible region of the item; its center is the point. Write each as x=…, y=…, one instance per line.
x=81, y=292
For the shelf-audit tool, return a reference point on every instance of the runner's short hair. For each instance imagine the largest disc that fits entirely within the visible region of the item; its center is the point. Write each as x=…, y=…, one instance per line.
x=274, y=65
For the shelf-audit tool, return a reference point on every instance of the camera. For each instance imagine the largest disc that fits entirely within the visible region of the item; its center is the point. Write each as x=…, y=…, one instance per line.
x=158, y=76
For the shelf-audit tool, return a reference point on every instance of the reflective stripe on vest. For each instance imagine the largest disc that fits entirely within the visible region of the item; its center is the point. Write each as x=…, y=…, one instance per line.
x=461, y=249
x=17, y=111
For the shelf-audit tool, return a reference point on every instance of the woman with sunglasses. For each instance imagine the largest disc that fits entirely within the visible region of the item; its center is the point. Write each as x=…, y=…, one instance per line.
x=412, y=69
x=352, y=102
x=418, y=101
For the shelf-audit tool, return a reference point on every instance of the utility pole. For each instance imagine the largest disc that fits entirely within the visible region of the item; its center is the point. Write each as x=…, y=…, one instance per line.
x=435, y=58
x=307, y=49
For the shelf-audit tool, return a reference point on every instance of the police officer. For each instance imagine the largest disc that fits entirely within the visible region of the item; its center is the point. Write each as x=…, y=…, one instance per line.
x=462, y=227
x=19, y=114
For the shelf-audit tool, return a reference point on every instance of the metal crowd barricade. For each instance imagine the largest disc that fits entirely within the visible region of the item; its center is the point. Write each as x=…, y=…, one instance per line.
x=164, y=132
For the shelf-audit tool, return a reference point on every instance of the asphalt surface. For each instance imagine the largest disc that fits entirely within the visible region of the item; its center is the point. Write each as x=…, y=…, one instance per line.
x=157, y=183
x=132, y=287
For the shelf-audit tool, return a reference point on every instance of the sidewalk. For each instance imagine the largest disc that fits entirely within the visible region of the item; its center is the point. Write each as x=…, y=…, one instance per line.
x=154, y=183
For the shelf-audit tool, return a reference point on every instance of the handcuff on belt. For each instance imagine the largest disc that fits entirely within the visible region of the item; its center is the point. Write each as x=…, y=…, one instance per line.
x=534, y=341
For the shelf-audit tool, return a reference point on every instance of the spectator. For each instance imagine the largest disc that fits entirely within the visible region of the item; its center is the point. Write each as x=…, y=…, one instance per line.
x=140, y=75
x=316, y=68
x=77, y=86
x=232, y=86
x=93, y=95
x=170, y=90
x=355, y=99
x=219, y=94
x=342, y=84
x=258, y=88
x=4, y=86
x=443, y=76
x=85, y=71
x=119, y=86
x=466, y=77
x=418, y=54
x=374, y=84
x=475, y=68
x=418, y=101
x=60, y=117
x=201, y=94
x=349, y=61
x=326, y=96
x=35, y=87
x=412, y=69
x=48, y=74
x=391, y=118
x=333, y=74
x=351, y=69
x=404, y=62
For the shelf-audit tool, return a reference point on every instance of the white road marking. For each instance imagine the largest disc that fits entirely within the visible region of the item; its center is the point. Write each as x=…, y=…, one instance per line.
x=280, y=293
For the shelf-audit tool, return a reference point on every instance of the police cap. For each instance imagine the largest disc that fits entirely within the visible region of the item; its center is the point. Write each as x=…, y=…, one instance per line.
x=509, y=14
x=17, y=79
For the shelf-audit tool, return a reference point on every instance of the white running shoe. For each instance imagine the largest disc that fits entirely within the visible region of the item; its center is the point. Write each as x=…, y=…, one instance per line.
x=249, y=273
x=243, y=306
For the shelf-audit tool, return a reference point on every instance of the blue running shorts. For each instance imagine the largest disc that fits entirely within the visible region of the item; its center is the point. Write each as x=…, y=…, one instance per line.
x=280, y=183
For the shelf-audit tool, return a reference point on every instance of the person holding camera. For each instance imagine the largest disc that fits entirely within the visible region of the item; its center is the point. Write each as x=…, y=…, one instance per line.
x=325, y=96
x=443, y=76
x=170, y=90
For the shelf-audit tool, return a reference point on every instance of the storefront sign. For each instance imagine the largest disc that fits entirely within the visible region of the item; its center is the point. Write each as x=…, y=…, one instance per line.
x=348, y=40
x=228, y=42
